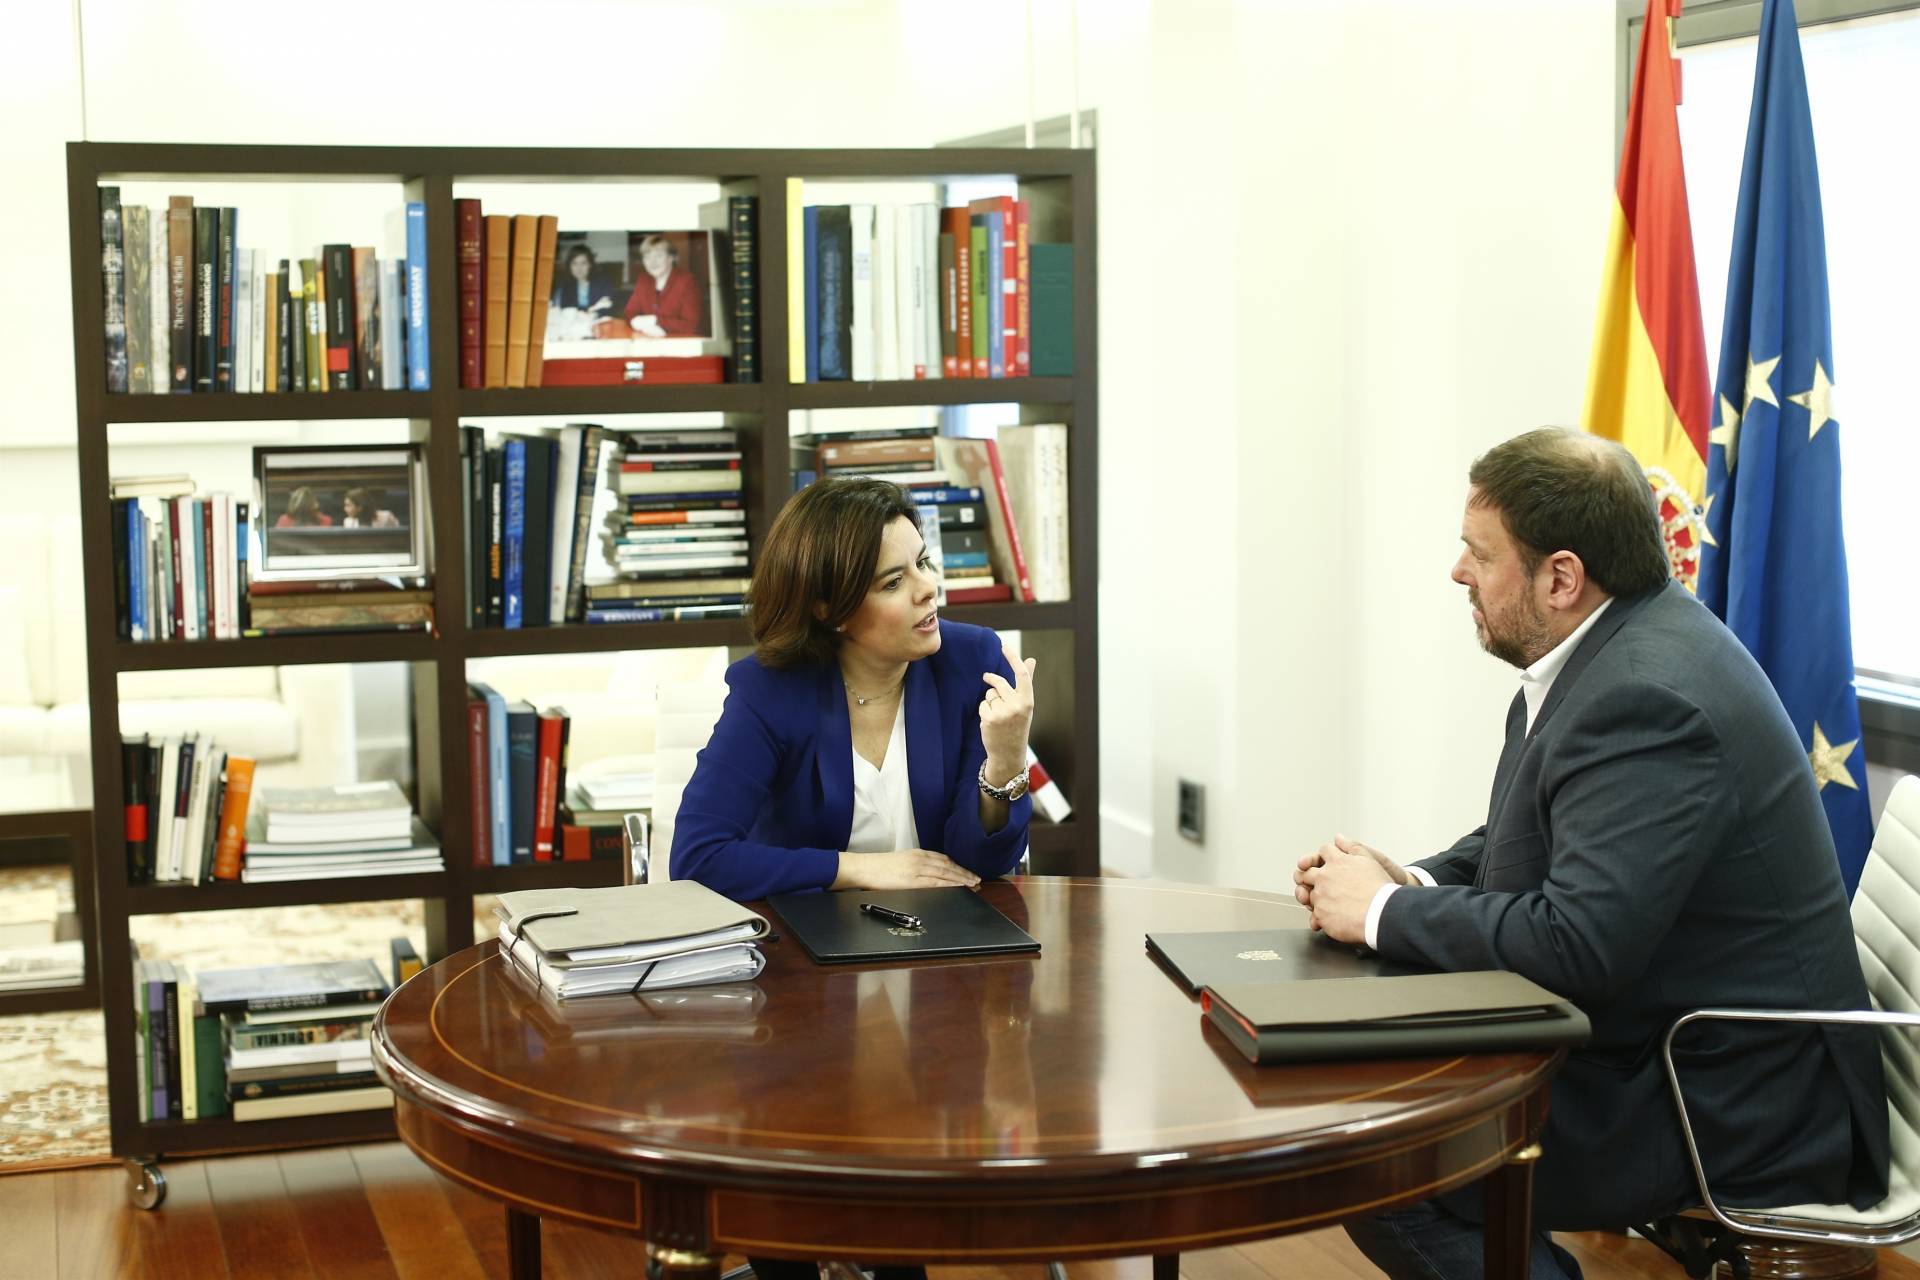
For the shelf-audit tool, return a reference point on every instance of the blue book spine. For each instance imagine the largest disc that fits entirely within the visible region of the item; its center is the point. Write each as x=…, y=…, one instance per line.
x=513, y=535
x=935, y=497
x=200, y=567
x=966, y=560
x=241, y=519
x=996, y=297
x=811, y=220
x=136, y=571
x=417, y=346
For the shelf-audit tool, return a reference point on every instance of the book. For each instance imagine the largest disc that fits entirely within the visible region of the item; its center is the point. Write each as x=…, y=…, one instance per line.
x=543, y=263
x=390, y=314
x=406, y=961
x=1051, y=310
x=337, y=263
x=206, y=297
x=137, y=272
x=498, y=235
x=292, y=986
x=523, y=736
x=1033, y=461
x=622, y=370
x=314, y=1104
x=469, y=243
x=366, y=318
x=498, y=811
x=233, y=819
x=520, y=275
x=418, y=344
x=629, y=937
x=180, y=286
x=800, y=328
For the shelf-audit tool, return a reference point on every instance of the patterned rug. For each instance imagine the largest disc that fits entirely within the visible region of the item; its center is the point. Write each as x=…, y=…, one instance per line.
x=53, y=1070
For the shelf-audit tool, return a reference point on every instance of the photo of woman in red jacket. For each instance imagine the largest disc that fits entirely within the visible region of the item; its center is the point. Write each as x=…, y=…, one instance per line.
x=667, y=301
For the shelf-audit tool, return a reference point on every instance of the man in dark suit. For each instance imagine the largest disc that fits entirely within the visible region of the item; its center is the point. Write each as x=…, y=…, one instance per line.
x=1654, y=843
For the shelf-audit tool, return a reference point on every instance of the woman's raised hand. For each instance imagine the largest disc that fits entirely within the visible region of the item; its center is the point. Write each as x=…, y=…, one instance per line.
x=1006, y=717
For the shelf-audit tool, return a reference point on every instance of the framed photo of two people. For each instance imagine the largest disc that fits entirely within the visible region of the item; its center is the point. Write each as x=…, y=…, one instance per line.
x=339, y=512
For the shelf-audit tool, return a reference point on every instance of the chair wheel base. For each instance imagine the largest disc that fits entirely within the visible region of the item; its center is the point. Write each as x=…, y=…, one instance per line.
x=1700, y=1245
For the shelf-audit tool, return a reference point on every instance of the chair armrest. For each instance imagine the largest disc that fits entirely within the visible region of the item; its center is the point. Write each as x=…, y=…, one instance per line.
x=1750, y=1221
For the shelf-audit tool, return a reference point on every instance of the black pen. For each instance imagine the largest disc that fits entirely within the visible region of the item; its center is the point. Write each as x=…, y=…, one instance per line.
x=900, y=918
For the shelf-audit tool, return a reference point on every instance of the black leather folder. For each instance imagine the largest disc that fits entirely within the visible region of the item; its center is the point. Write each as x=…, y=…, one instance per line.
x=1197, y=960
x=1417, y=1015
x=955, y=922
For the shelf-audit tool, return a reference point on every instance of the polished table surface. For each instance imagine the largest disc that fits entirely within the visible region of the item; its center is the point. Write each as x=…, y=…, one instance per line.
x=1069, y=1104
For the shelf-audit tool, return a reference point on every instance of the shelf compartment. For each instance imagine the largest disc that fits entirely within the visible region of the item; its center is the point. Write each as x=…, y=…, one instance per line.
x=81, y=995
x=1008, y=616
x=547, y=875
x=1053, y=844
x=275, y=651
x=860, y=395
x=166, y=899
x=277, y=406
x=708, y=397
x=608, y=637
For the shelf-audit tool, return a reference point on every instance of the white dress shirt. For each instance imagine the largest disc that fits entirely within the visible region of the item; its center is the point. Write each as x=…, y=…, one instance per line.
x=882, y=798
x=1535, y=681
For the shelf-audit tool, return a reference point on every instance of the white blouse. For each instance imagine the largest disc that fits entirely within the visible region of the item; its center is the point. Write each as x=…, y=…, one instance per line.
x=882, y=798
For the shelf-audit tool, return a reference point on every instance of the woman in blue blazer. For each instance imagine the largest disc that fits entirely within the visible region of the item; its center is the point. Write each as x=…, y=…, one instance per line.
x=866, y=744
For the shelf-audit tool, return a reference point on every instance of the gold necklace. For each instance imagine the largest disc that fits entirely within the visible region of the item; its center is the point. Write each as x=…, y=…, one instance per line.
x=875, y=697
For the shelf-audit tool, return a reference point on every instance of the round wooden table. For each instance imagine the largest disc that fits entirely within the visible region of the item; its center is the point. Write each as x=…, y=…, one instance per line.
x=1074, y=1104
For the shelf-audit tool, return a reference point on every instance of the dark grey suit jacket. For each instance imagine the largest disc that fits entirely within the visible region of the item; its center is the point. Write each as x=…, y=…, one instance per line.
x=1656, y=844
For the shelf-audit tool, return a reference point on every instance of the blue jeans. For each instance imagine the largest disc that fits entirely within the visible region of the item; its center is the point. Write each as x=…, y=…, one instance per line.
x=1428, y=1242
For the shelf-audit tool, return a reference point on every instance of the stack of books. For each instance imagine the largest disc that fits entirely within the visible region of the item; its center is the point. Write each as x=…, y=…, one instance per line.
x=355, y=829
x=629, y=938
x=676, y=537
x=187, y=308
x=51, y=964
x=294, y=1037
x=179, y=560
x=307, y=605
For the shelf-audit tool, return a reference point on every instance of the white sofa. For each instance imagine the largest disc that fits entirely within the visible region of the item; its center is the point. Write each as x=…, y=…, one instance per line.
x=297, y=722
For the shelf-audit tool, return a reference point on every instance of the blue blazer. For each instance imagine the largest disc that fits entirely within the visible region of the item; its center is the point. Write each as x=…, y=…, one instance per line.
x=770, y=804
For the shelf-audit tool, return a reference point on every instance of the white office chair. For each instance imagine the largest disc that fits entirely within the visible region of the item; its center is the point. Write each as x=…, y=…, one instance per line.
x=1886, y=924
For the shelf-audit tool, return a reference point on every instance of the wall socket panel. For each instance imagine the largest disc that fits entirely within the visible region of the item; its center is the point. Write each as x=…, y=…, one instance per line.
x=1193, y=811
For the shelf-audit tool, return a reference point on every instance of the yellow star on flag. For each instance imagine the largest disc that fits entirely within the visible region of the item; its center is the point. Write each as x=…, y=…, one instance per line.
x=1727, y=434
x=1760, y=381
x=1829, y=761
x=1706, y=508
x=1817, y=400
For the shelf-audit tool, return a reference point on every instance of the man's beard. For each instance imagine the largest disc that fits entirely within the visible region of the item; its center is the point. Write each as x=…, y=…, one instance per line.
x=1518, y=637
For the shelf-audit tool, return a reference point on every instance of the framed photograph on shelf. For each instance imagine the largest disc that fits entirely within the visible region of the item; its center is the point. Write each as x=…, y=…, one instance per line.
x=644, y=293
x=339, y=512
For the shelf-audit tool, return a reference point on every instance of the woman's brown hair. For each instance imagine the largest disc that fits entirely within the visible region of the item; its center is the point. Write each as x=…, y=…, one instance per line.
x=816, y=567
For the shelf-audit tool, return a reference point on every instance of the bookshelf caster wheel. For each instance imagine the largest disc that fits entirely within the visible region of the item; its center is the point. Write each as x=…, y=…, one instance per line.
x=146, y=1185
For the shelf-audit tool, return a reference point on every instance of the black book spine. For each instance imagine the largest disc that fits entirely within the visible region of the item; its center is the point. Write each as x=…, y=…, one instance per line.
x=284, y=304
x=156, y=758
x=242, y=536
x=742, y=215
x=206, y=296
x=338, y=264
x=537, y=579
x=170, y=1002
x=297, y=340
x=496, y=587
x=296, y=1086
x=134, y=803
x=836, y=293
x=122, y=569
x=113, y=283
x=523, y=751
x=479, y=524
x=229, y=265
x=588, y=480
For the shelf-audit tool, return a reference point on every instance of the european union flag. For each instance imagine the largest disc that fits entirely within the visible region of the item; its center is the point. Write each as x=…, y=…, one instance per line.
x=1775, y=563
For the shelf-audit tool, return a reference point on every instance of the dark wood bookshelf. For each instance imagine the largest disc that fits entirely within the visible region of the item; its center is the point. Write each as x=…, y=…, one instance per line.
x=547, y=875
x=274, y=651
x=865, y=395
x=167, y=899
x=1062, y=636
x=309, y=405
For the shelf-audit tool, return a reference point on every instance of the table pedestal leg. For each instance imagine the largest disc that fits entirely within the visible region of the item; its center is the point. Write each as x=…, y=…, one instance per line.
x=664, y=1263
x=1509, y=1215
x=523, y=1245
x=1166, y=1266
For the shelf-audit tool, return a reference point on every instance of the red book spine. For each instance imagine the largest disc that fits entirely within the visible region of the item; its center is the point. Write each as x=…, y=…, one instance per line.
x=546, y=788
x=1022, y=353
x=1009, y=310
x=472, y=299
x=1013, y=530
x=173, y=536
x=962, y=228
x=477, y=781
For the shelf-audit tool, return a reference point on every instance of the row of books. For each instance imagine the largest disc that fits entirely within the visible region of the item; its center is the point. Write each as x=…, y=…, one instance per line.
x=890, y=292
x=188, y=309
x=517, y=759
x=676, y=537
x=1012, y=487
x=528, y=503
x=261, y=1043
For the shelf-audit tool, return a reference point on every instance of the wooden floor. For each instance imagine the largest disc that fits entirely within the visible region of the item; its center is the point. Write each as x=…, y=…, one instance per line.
x=375, y=1211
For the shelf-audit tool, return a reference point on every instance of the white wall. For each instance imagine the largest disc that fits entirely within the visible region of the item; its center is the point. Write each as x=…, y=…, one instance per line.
x=1344, y=248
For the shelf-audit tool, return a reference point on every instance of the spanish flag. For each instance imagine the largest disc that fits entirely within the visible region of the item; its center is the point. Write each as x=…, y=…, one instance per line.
x=1647, y=386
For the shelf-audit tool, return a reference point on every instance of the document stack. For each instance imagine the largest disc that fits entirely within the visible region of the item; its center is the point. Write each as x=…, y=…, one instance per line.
x=314, y=833
x=295, y=1037
x=629, y=938
x=30, y=957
